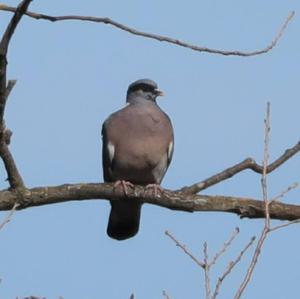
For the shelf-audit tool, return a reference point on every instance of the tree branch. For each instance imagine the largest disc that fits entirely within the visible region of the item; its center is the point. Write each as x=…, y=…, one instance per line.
x=4, y=43
x=13, y=174
x=248, y=163
x=244, y=207
x=8, y=217
x=265, y=231
x=224, y=247
x=206, y=272
x=229, y=268
x=185, y=250
x=157, y=37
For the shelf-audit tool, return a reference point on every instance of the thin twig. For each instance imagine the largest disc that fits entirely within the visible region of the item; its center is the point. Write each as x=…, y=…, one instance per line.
x=185, y=250
x=157, y=37
x=284, y=192
x=248, y=163
x=266, y=228
x=230, y=266
x=206, y=272
x=265, y=165
x=9, y=215
x=225, y=246
x=279, y=197
x=284, y=225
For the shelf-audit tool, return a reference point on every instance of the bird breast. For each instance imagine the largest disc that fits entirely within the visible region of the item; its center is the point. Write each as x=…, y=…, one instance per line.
x=147, y=136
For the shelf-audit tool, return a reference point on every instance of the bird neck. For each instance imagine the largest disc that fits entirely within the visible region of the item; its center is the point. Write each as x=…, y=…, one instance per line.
x=140, y=98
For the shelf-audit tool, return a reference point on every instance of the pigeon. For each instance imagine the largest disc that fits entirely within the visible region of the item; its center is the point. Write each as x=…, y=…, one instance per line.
x=138, y=143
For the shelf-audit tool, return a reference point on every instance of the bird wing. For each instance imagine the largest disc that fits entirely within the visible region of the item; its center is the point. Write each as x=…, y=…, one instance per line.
x=108, y=152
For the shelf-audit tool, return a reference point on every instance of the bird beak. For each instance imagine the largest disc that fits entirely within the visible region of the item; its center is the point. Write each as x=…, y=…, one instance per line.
x=159, y=92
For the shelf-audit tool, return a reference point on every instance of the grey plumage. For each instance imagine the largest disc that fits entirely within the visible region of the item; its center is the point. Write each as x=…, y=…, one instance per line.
x=137, y=147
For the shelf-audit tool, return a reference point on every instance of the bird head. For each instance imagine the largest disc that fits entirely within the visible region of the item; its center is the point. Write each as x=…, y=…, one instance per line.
x=144, y=89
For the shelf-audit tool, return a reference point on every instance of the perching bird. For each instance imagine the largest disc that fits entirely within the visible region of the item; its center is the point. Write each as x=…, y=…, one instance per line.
x=137, y=148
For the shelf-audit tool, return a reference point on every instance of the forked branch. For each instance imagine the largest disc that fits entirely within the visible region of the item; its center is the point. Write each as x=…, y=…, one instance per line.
x=14, y=177
x=206, y=265
x=248, y=163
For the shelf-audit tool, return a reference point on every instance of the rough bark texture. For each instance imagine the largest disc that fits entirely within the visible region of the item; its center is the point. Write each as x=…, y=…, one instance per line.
x=244, y=207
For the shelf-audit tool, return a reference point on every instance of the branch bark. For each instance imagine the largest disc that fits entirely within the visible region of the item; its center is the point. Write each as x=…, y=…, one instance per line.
x=161, y=38
x=248, y=163
x=18, y=13
x=13, y=174
x=174, y=200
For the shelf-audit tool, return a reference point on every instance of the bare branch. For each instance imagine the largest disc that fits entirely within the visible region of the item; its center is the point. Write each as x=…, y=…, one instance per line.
x=157, y=37
x=277, y=198
x=185, y=250
x=14, y=176
x=264, y=184
x=245, y=207
x=284, y=225
x=284, y=192
x=230, y=267
x=18, y=13
x=8, y=217
x=4, y=43
x=206, y=272
x=248, y=163
x=206, y=265
x=266, y=228
x=225, y=246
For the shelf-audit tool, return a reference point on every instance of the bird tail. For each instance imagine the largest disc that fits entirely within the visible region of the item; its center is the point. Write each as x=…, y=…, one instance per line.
x=124, y=219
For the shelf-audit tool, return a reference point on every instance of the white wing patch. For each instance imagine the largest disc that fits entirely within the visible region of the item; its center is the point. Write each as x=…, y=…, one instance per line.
x=170, y=150
x=160, y=169
x=111, y=151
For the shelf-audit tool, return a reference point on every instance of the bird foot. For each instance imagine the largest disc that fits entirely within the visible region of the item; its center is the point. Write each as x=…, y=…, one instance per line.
x=155, y=188
x=124, y=185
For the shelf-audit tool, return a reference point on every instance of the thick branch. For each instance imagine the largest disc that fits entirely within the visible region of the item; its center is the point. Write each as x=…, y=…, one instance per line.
x=248, y=163
x=18, y=13
x=157, y=37
x=244, y=207
x=13, y=174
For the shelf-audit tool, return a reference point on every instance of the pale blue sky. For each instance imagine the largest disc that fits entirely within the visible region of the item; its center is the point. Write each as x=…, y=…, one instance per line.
x=72, y=75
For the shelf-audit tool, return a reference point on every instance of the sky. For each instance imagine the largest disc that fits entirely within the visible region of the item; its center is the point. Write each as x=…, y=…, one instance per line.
x=72, y=75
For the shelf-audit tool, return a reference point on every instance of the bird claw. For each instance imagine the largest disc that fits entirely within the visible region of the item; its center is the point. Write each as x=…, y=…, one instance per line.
x=156, y=189
x=124, y=185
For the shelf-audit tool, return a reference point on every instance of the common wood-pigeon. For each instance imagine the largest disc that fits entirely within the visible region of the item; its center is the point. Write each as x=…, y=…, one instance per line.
x=137, y=148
